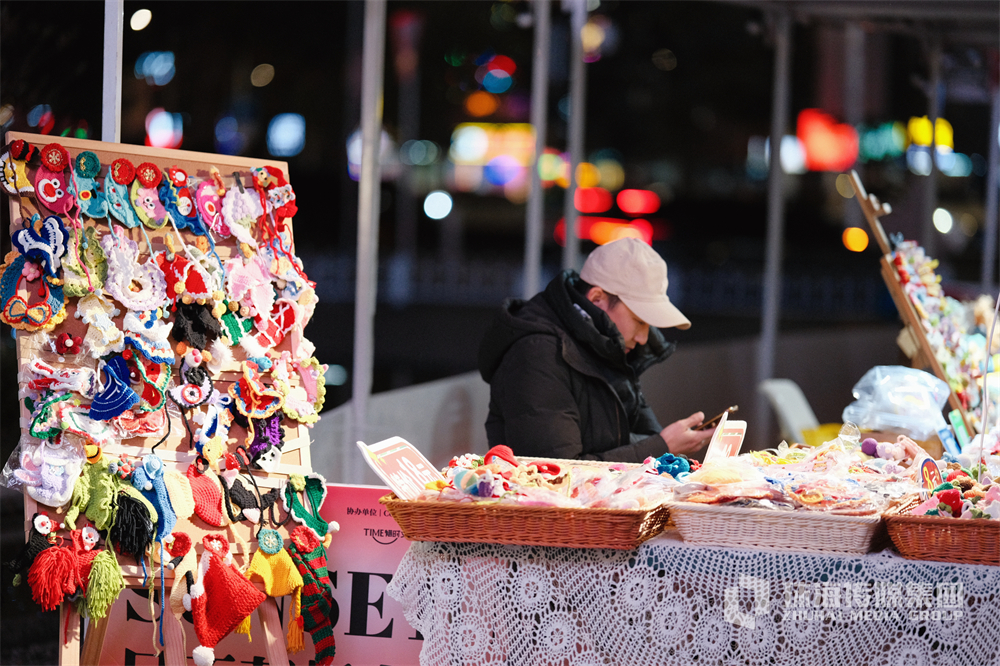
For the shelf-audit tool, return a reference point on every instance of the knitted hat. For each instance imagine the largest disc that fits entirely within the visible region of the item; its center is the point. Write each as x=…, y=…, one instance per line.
x=274, y=566
x=219, y=599
x=207, y=495
x=317, y=597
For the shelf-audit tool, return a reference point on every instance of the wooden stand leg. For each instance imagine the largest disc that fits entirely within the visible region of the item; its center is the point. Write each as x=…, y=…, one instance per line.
x=93, y=642
x=69, y=649
x=277, y=654
x=173, y=637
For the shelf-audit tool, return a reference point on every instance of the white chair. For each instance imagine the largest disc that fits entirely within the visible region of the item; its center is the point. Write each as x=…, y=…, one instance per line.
x=791, y=407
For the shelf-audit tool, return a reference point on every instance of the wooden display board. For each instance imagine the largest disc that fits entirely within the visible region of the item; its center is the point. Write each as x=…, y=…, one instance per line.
x=175, y=451
x=913, y=339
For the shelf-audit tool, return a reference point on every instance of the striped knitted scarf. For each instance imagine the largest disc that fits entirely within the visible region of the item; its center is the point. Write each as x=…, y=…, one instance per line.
x=317, y=595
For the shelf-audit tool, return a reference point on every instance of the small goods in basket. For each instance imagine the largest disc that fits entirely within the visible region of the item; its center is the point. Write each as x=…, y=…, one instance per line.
x=500, y=476
x=962, y=497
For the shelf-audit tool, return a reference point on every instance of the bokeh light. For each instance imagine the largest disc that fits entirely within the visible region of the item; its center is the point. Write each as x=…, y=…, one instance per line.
x=501, y=170
x=419, y=152
x=968, y=224
x=437, y=205
x=40, y=116
x=855, y=239
x=844, y=187
x=164, y=129
x=502, y=63
x=829, y=145
x=612, y=174
x=497, y=81
x=286, y=135
x=592, y=199
x=156, y=67
x=336, y=375
x=262, y=75
x=943, y=220
x=140, y=19
x=469, y=144
x=665, y=60
x=551, y=166
x=638, y=202
x=587, y=175
x=229, y=140
x=481, y=103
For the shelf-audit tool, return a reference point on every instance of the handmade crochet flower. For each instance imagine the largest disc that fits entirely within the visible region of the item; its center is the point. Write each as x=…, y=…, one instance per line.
x=122, y=171
x=88, y=164
x=55, y=157
x=270, y=541
x=68, y=343
x=31, y=272
x=148, y=174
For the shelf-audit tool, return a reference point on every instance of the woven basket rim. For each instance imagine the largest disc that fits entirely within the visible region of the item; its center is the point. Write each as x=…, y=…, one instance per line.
x=894, y=515
x=698, y=507
x=497, y=505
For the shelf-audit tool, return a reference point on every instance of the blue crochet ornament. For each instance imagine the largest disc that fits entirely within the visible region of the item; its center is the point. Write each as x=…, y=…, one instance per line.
x=118, y=396
x=673, y=465
x=148, y=479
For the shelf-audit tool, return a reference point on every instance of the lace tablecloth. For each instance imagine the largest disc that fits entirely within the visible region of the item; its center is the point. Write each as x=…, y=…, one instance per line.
x=670, y=603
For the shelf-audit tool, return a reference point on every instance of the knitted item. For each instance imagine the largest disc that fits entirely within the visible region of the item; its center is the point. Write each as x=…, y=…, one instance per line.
x=195, y=326
x=54, y=574
x=207, y=495
x=94, y=495
x=188, y=564
x=125, y=271
x=314, y=488
x=219, y=600
x=94, y=264
x=317, y=597
x=104, y=586
x=37, y=541
x=103, y=335
x=148, y=478
x=281, y=577
x=118, y=395
x=267, y=433
x=133, y=530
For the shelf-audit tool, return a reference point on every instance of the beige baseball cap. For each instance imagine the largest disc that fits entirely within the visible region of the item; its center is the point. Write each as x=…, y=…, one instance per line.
x=635, y=272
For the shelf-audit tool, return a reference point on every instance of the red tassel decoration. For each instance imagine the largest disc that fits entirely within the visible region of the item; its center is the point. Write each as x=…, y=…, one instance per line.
x=54, y=574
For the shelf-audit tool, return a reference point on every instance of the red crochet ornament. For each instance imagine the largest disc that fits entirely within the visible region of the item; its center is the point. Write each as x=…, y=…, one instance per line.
x=122, y=171
x=55, y=157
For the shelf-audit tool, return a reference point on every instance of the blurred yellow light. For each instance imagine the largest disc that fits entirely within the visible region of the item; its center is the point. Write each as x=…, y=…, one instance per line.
x=919, y=130
x=481, y=103
x=603, y=233
x=140, y=19
x=587, y=175
x=855, y=239
x=944, y=135
x=844, y=187
x=262, y=75
x=612, y=174
x=479, y=143
x=550, y=166
x=592, y=36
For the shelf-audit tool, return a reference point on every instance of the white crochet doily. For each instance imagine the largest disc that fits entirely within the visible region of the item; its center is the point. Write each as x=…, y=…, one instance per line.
x=669, y=603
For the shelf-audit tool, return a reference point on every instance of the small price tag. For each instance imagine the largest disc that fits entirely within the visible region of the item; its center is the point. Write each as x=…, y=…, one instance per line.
x=727, y=440
x=930, y=475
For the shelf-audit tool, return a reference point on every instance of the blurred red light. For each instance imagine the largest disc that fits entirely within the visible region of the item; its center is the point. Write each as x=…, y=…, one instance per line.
x=829, y=145
x=592, y=199
x=502, y=62
x=638, y=202
x=603, y=230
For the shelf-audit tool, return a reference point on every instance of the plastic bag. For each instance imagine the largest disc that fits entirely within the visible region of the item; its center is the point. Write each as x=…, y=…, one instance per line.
x=899, y=399
x=48, y=469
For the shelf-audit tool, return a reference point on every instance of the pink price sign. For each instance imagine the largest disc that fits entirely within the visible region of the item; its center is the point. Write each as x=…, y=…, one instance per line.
x=368, y=625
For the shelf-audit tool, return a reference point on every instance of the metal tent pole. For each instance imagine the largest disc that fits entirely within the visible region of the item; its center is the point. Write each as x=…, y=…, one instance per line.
x=771, y=306
x=111, y=100
x=372, y=69
x=990, y=240
x=534, y=220
x=577, y=120
x=854, y=101
x=929, y=239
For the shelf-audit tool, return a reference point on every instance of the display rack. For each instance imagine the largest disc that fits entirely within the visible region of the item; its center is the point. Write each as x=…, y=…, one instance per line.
x=912, y=339
x=174, y=451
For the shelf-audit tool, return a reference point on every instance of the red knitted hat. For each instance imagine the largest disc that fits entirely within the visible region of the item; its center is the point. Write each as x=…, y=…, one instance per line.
x=220, y=598
x=207, y=495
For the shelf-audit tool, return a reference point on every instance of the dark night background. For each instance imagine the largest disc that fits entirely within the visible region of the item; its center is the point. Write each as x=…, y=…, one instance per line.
x=684, y=131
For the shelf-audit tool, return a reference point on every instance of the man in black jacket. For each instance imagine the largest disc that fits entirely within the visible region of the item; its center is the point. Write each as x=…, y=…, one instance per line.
x=564, y=367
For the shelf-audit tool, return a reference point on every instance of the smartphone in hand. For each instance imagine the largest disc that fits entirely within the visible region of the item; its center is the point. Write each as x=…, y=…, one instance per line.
x=714, y=421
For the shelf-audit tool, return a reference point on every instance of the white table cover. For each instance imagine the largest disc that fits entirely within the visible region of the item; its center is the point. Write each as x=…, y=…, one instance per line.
x=671, y=603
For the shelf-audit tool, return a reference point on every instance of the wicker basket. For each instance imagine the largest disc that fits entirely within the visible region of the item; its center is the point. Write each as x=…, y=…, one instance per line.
x=493, y=522
x=941, y=538
x=740, y=527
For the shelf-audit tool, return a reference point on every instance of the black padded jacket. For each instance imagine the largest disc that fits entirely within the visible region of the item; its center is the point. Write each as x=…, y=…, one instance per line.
x=561, y=383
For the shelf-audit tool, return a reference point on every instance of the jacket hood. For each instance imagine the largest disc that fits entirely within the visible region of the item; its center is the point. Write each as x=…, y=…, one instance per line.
x=560, y=310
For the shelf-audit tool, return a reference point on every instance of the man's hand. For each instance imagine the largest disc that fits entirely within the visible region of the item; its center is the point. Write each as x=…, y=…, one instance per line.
x=680, y=437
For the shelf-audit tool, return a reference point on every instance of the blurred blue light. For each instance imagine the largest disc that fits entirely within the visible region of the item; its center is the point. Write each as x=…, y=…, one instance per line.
x=36, y=113
x=157, y=67
x=497, y=81
x=437, y=205
x=501, y=170
x=228, y=138
x=286, y=135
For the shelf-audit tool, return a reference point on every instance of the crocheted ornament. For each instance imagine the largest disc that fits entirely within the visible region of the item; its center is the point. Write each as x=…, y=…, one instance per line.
x=53, y=184
x=314, y=488
x=214, y=422
x=235, y=326
x=46, y=377
x=184, y=564
x=148, y=208
x=244, y=500
x=249, y=282
x=196, y=388
x=14, y=172
x=53, y=575
x=207, y=495
x=45, y=246
x=103, y=336
x=176, y=197
x=135, y=527
x=148, y=479
x=137, y=286
x=67, y=344
x=75, y=420
x=45, y=422
x=43, y=308
x=279, y=196
x=268, y=433
x=219, y=600
x=317, y=596
x=117, y=396
x=75, y=278
x=184, y=278
x=283, y=317
x=209, y=205
x=49, y=471
x=147, y=333
x=275, y=568
x=240, y=210
x=151, y=378
x=116, y=190
x=195, y=326
x=94, y=495
x=89, y=195
x=181, y=497
x=41, y=527
x=252, y=397
x=104, y=585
